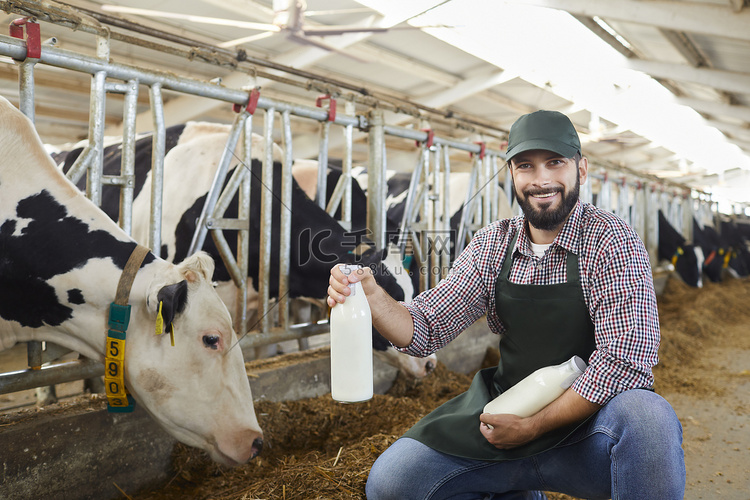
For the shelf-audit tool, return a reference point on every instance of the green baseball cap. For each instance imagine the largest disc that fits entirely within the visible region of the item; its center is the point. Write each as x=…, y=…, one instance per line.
x=550, y=130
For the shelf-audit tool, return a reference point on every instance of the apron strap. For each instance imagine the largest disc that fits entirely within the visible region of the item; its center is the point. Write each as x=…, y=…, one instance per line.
x=571, y=262
x=571, y=267
x=508, y=260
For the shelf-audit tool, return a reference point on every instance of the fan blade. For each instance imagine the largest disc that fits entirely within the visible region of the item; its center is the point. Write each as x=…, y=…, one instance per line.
x=341, y=30
x=321, y=45
x=191, y=18
x=245, y=39
x=336, y=11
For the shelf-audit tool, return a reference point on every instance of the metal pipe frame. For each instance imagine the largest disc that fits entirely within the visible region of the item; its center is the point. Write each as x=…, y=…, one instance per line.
x=26, y=87
x=96, y=137
x=342, y=192
x=127, y=167
x=48, y=375
x=34, y=353
x=285, y=226
x=445, y=192
x=435, y=217
x=243, y=237
x=202, y=226
x=466, y=213
x=376, y=184
x=62, y=58
x=405, y=231
x=346, y=209
x=217, y=223
x=422, y=230
x=320, y=195
x=266, y=212
x=158, y=149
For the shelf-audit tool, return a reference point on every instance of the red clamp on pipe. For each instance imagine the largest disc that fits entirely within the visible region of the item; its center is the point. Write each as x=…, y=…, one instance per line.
x=482, y=150
x=252, y=103
x=430, y=138
x=33, y=36
x=331, y=106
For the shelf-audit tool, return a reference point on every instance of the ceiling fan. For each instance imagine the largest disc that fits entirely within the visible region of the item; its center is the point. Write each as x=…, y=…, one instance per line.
x=289, y=18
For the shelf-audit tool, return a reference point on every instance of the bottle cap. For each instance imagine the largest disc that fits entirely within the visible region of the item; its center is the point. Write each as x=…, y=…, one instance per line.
x=578, y=364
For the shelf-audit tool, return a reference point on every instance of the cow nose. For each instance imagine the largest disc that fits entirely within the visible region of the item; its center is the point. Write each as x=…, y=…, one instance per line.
x=257, y=448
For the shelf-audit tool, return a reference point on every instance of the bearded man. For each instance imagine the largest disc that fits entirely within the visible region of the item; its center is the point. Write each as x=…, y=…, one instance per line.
x=564, y=279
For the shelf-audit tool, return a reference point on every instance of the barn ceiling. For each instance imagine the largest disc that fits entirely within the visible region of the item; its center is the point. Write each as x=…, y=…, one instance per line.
x=467, y=68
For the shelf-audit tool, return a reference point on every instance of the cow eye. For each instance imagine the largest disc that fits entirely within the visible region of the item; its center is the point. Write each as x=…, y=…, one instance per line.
x=211, y=341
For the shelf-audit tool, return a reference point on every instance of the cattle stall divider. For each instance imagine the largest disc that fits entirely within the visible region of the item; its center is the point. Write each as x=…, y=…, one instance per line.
x=428, y=199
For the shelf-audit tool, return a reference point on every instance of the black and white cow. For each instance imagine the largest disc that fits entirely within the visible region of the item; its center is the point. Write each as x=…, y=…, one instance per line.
x=61, y=259
x=716, y=252
x=318, y=241
x=305, y=173
x=686, y=258
x=744, y=229
x=739, y=260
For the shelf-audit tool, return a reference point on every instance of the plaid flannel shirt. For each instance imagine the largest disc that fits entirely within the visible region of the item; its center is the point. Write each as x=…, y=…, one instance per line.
x=617, y=286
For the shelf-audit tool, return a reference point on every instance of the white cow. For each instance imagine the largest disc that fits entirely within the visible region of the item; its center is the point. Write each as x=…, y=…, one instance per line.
x=61, y=259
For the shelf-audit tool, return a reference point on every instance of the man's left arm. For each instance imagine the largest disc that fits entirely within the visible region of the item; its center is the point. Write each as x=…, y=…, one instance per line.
x=626, y=323
x=509, y=431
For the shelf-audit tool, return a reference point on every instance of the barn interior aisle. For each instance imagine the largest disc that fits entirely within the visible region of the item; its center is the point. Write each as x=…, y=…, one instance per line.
x=319, y=449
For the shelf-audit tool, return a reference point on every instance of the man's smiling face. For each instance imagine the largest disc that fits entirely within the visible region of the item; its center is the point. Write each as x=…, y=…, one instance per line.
x=546, y=186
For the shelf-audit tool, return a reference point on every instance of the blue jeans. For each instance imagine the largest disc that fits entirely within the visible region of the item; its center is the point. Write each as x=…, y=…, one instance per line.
x=631, y=449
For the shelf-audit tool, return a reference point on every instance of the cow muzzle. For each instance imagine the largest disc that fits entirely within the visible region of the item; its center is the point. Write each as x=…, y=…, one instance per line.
x=239, y=448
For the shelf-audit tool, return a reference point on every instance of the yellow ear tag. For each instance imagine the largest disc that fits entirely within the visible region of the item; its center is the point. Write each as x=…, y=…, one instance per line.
x=159, y=320
x=171, y=334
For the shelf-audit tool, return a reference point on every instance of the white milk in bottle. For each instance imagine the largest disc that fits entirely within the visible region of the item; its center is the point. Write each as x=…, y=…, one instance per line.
x=537, y=390
x=351, y=346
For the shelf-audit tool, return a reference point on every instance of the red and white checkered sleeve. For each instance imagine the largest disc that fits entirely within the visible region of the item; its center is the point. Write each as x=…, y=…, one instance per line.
x=626, y=320
x=443, y=312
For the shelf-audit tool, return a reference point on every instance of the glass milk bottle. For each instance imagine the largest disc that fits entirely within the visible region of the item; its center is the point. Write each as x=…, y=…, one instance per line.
x=351, y=346
x=537, y=390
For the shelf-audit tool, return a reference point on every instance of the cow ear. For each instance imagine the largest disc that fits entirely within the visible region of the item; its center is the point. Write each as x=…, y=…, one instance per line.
x=173, y=299
x=196, y=266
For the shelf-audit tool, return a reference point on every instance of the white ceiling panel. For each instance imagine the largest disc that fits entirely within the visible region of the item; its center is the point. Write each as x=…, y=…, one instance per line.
x=678, y=42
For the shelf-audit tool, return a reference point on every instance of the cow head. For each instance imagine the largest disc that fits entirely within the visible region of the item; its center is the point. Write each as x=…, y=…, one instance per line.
x=738, y=257
x=198, y=388
x=706, y=238
x=674, y=249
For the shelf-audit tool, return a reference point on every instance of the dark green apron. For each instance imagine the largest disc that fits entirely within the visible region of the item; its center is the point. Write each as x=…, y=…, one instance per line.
x=545, y=325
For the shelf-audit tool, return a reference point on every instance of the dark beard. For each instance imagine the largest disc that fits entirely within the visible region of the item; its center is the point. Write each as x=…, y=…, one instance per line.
x=546, y=219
